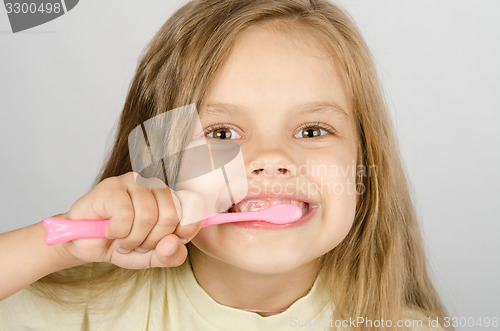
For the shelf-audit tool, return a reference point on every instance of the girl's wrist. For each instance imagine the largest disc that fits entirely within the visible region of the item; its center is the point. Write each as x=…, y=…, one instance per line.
x=64, y=258
x=58, y=256
x=26, y=258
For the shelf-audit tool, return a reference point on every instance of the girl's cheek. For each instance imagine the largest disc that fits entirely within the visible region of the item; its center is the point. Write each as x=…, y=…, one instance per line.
x=331, y=175
x=331, y=164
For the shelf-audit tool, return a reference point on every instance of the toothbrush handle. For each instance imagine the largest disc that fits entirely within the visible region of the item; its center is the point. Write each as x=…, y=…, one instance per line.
x=214, y=219
x=61, y=230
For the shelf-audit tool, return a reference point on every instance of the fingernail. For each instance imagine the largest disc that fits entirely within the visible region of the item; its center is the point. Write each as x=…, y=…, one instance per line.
x=122, y=250
x=141, y=250
x=172, y=252
x=183, y=241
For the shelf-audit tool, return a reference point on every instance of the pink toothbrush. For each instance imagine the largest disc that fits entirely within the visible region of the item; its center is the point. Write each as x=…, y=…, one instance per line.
x=61, y=230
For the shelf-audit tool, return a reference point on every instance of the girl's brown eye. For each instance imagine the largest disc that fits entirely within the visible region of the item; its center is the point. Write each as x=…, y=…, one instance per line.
x=311, y=132
x=223, y=133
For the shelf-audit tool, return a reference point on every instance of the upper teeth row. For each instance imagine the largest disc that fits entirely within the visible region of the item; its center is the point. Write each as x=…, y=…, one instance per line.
x=254, y=205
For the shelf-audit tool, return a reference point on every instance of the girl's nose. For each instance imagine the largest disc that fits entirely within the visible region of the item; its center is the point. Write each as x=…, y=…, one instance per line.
x=271, y=161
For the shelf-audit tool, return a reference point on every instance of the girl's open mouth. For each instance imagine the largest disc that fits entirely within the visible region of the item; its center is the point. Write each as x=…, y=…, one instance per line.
x=259, y=204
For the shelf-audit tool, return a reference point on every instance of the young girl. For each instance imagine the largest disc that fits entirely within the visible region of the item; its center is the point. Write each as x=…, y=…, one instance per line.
x=292, y=83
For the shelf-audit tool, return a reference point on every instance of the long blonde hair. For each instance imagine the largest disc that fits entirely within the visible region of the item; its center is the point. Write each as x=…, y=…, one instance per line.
x=379, y=269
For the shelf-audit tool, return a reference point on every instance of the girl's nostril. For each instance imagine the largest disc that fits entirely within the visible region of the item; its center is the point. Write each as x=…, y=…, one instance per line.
x=279, y=171
x=283, y=172
x=258, y=171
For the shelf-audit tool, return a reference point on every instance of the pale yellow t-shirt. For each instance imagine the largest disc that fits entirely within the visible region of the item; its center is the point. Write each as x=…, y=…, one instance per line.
x=186, y=307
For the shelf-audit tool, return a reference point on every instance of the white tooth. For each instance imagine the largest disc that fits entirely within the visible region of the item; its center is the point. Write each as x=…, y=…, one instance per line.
x=256, y=208
x=255, y=204
x=262, y=204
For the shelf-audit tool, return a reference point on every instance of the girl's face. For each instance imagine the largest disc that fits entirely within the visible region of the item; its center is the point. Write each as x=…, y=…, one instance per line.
x=283, y=101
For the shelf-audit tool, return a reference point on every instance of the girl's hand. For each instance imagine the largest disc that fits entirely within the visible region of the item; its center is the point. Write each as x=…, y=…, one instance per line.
x=144, y=230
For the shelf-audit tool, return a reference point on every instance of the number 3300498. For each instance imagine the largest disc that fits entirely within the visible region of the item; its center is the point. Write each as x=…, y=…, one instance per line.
x=32, y=8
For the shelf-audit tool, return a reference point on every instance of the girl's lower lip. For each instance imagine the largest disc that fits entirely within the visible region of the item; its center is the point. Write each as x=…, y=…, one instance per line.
x=270, y=226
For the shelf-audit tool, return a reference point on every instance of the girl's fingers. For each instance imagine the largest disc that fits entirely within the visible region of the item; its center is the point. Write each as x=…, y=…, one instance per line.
x=121, y=210
x=144, y=213
x=145, y=217
x=187, y=232
x=168, y=219
x=168, y=253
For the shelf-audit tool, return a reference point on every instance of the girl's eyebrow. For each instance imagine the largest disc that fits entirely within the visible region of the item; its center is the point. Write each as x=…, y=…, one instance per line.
x=327, y=106
x=217, y=108
x=214, y=109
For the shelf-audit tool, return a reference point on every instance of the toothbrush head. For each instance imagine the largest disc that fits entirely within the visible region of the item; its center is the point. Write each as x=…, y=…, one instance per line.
x=281, y=214
x=277, y=214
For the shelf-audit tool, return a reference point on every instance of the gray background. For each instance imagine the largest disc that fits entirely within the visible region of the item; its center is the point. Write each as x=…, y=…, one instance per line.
x=62, y=86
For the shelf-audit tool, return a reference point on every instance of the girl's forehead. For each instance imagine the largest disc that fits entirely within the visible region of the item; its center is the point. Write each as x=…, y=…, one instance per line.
x=295, y=36
x=287, y=70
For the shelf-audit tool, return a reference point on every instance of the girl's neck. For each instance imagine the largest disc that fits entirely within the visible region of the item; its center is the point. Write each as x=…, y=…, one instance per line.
x=264, y=294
